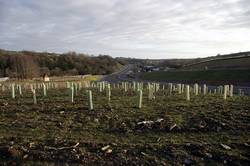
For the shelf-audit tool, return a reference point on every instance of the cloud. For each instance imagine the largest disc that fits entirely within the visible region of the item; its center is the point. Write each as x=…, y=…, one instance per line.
x=142, y=28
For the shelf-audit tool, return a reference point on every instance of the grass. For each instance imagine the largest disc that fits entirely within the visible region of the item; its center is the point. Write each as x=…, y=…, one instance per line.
x=202, y=125
x=242, y=62
x=57, y=79
x=197, y=76
x=93, y=77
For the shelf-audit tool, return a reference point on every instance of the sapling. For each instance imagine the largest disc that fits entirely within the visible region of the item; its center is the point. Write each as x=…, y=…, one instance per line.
x=108, y=92
x=129, y=85
x=204, y=89
x=34, y=96
x=225, y=92
x=56, y=85
x=125, y=87
x=170, y=88
x=13, y=90
x=44, y=90
x=134, y=85
x=150, y=93
x=103, y=85
x=138, y=86
x=139, y=104
x=182, y=88
x=187, y=93
x=219, y=90
x=72, y=94
x=100, y=87
x=148, y=86
x=239, y=92
x=196, y=89
x=3, y=88
x=20, y=90
x=231, y=90
x=157, y=87
x=179, y=88
x=80, y=85
x=199, y=89
x=90, y=102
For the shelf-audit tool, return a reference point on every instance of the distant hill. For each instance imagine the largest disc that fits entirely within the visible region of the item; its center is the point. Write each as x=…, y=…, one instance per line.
x=216, y=70
x=229, y=61
x=172, y=63
x=29, y=64
x=239, y=60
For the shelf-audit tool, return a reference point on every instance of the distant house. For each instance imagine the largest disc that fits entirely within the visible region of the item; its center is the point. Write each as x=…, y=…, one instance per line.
x=4, y=79
x=130, y=72
x=45, y=78
x=156, y=69
x=150, y=68
x=168, y=68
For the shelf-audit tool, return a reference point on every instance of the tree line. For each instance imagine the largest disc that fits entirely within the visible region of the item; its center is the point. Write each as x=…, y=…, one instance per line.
x=30, y=64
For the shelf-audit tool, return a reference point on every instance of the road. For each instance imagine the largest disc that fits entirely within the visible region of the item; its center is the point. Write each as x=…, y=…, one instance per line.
x=121, y=75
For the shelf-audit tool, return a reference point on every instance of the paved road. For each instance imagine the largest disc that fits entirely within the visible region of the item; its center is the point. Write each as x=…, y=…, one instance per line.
x=120, y=75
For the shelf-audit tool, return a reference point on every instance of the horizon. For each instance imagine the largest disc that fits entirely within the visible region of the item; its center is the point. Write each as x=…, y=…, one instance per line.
x=143, y=29
x=95, y=55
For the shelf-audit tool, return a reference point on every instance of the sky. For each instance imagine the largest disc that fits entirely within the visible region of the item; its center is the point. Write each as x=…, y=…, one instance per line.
x=153, y=29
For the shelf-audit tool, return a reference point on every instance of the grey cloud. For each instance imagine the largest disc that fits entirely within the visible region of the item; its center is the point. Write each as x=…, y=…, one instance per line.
x=142, y=28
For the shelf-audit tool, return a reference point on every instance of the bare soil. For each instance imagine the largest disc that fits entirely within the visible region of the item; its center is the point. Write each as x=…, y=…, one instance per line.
x=166, y=131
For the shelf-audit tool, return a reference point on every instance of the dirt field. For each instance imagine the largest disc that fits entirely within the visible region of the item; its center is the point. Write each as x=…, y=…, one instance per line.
x=166, y=131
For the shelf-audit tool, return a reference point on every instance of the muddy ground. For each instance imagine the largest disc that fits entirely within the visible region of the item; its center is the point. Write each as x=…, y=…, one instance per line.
x=166, y=131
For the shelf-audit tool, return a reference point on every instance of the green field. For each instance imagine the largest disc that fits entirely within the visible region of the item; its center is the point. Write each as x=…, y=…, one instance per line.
x=210, y=76
x=220, y=63
x=205, y=130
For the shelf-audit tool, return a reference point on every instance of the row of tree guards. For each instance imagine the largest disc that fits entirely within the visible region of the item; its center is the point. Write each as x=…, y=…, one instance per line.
x=150, y=88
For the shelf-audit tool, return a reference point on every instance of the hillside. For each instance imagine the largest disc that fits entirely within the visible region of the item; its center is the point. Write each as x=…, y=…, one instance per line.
x=229, y=61
x=216, y=70
x=173, y=63
x=29, y=64
x=239, y=60
x=211, y=77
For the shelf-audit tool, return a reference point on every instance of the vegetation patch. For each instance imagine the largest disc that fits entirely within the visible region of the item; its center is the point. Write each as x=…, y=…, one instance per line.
x=208, y=76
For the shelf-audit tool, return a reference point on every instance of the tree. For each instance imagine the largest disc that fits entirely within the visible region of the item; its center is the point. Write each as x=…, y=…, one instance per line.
x=23, y=66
